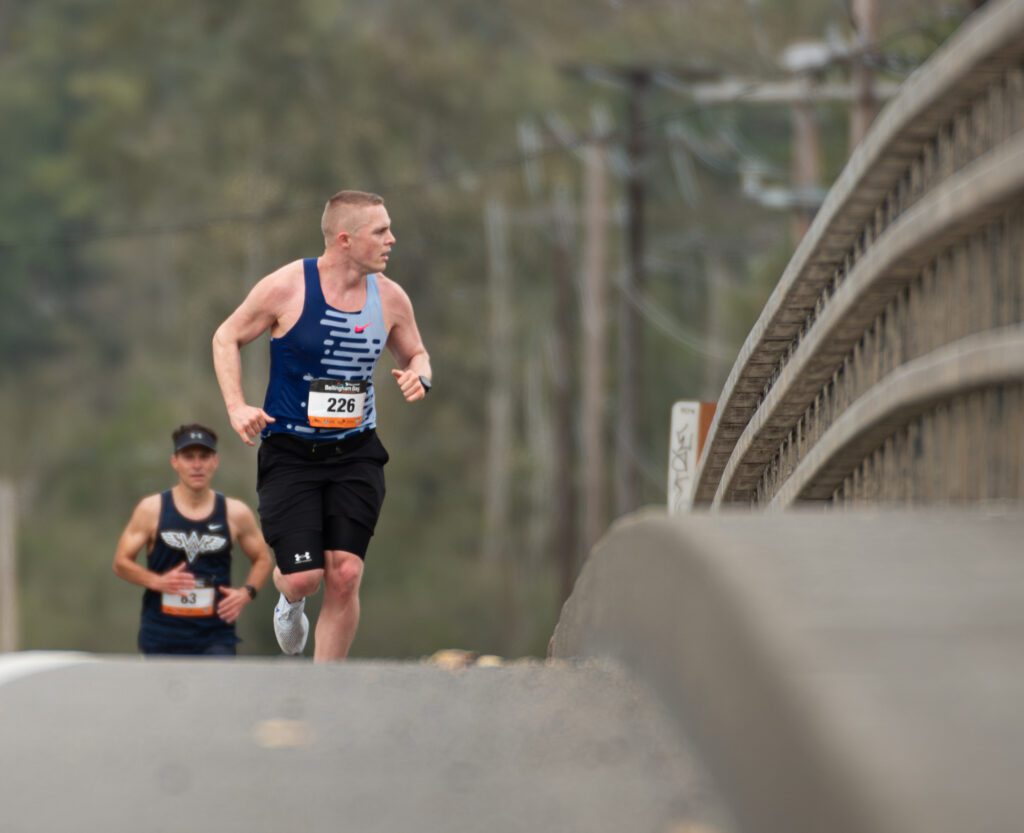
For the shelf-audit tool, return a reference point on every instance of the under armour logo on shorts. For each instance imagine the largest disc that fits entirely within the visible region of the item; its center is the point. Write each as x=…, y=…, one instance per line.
x=302, y=557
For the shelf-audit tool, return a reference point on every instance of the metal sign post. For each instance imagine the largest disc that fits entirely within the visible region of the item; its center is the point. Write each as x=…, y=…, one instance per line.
x=8, y=569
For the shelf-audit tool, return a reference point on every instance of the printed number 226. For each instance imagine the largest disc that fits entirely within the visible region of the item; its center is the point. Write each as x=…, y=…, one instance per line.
x=341, y=406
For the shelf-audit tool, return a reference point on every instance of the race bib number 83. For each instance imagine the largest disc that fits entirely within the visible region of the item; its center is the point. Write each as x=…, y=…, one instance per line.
x=335, y=404
x=195, y=602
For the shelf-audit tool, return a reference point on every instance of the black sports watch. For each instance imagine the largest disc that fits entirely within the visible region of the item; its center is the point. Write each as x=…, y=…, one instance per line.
x=250, y=590
x=426, y=384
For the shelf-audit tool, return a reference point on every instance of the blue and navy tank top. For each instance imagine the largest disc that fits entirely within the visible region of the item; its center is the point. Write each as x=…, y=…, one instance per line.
x=325, y=343
x=205, y=545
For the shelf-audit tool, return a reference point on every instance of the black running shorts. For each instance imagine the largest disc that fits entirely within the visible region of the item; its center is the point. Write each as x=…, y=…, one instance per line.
x=319, y=496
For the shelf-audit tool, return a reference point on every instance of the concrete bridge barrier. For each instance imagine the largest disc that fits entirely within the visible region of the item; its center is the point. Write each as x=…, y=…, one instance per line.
x=853, y=673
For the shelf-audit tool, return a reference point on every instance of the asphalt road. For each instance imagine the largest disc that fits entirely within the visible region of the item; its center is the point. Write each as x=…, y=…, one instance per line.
x=125, y=744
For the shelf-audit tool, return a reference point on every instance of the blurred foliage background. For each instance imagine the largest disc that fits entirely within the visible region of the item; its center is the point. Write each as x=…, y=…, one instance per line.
x=158, y=158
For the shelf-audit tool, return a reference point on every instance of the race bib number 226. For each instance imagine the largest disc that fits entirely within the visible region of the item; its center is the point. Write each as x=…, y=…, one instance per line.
x=336, y=404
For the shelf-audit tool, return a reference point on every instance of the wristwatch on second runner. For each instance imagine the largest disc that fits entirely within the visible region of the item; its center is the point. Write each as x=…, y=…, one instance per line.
x=426, y=384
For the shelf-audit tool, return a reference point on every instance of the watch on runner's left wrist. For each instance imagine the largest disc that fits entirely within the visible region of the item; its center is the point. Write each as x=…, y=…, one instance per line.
x=250, y=590
x=427, y=385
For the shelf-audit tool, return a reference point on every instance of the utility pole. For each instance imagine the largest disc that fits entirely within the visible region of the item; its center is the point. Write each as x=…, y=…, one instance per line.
x=256, y=367
x=594, y=344
x=718, y=278
x=631, y=386
x=496, y=547
x=865, y=105
x=806, y=164
x=566, y=543
x=9, y=636
x=593, y=312
x=499, y=404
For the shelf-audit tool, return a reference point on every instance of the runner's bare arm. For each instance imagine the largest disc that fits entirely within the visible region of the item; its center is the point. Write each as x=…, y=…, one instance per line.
x=138, y=534
x=255, y=315
x=247, y=532
x=404, y=342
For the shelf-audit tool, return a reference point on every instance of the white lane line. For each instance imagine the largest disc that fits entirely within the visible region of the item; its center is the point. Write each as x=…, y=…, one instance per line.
x=25, y=663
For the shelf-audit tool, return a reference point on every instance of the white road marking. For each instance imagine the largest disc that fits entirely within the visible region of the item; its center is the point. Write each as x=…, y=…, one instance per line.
x=25, y=663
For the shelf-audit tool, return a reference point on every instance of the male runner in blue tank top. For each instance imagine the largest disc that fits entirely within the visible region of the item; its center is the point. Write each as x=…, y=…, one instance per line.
x=189, y=606
x=321, y=465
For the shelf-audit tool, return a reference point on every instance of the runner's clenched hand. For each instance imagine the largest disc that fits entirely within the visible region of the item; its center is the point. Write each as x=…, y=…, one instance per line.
x=409, y=383
x=248, y=422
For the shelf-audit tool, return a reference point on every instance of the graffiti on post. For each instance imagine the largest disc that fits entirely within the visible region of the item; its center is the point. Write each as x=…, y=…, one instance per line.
x=682, y=459
x=691, y=422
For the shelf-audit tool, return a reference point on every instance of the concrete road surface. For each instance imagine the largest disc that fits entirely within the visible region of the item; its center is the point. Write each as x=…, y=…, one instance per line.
x=125, y=744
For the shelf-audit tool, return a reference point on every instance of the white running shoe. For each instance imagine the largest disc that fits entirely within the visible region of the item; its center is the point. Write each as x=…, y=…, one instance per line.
x=291, y=627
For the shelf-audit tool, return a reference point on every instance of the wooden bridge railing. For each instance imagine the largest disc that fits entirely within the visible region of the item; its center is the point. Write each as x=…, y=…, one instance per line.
x=888, y=364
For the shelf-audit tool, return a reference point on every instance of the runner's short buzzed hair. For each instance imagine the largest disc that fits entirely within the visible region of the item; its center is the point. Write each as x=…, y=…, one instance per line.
x=340, y=203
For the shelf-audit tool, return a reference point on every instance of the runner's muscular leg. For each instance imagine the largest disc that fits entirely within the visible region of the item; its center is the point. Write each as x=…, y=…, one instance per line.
x=297, y=586
x=339, y=614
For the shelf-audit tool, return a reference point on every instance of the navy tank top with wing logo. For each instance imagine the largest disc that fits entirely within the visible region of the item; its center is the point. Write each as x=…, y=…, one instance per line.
x=205, y=546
